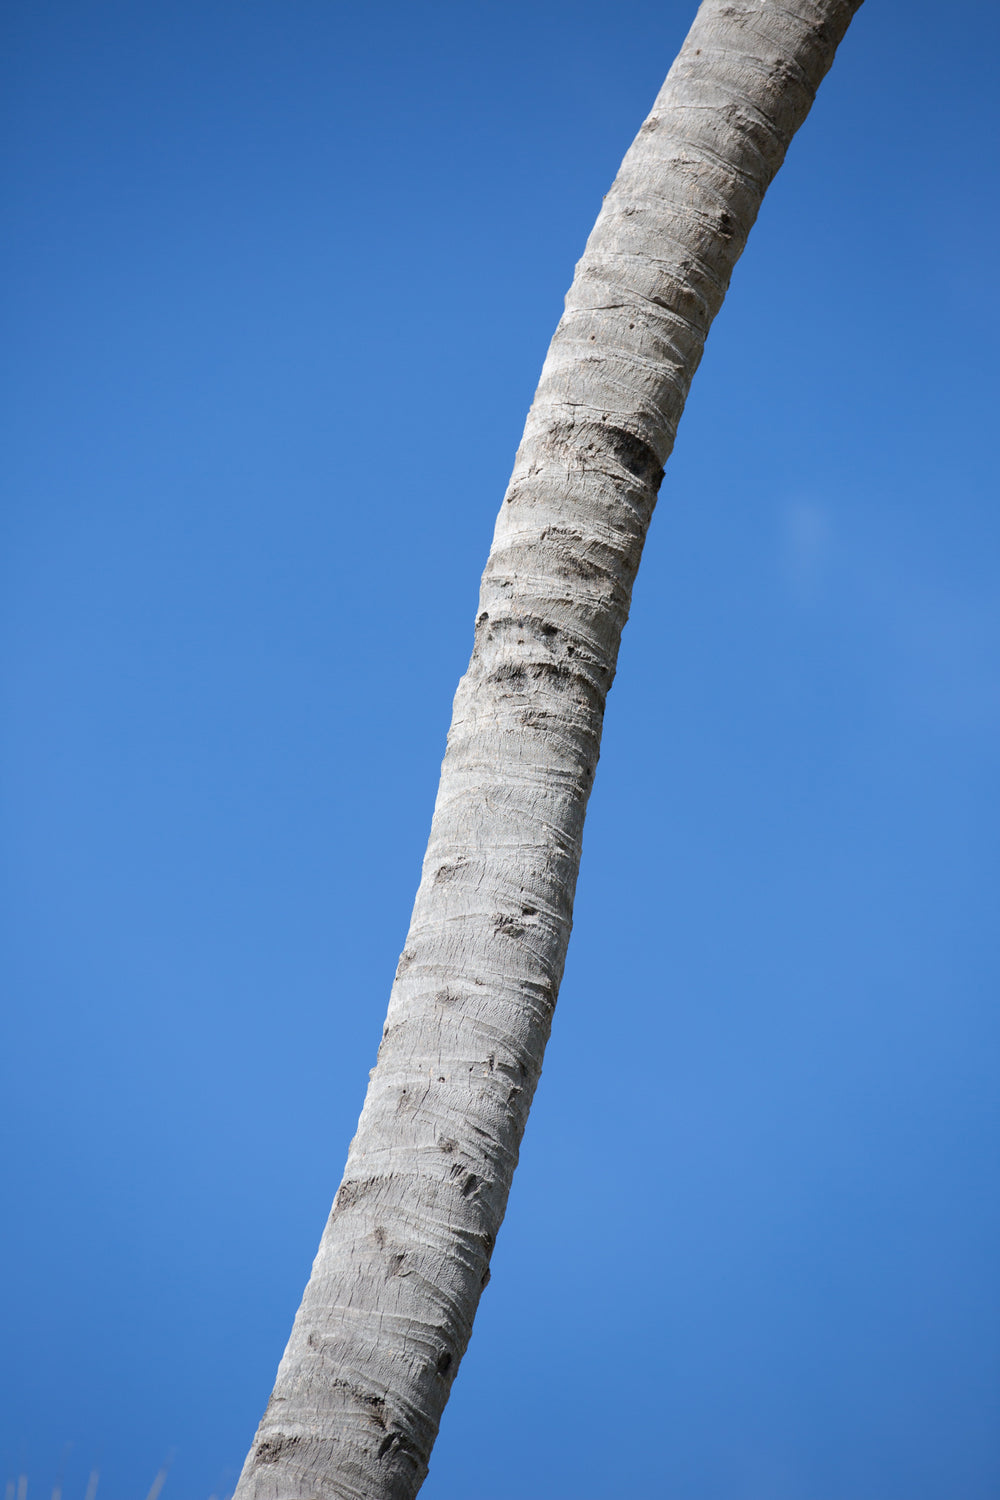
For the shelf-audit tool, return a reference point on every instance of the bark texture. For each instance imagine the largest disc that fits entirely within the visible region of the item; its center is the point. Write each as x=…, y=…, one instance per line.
x=388, y=1310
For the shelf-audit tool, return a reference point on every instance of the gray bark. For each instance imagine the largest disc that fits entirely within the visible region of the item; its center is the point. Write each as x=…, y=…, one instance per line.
x=388, y=1310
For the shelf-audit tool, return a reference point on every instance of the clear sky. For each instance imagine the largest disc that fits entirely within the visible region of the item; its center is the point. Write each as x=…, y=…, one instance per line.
x=278, y=279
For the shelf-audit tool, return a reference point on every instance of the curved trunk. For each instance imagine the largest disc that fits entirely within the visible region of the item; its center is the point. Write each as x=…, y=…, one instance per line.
x=388, y=1310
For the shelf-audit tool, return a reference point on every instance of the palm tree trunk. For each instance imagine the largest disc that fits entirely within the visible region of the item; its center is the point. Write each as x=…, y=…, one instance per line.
x=388, y=1310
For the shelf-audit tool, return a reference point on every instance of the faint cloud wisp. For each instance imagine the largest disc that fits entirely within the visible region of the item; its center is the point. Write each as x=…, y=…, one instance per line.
x=807, y=545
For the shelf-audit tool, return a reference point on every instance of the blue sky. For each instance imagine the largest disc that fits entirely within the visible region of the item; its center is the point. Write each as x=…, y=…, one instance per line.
x=278, y=286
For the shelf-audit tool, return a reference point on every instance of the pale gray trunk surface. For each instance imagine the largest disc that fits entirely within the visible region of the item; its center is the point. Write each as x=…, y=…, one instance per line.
x=388, y=1310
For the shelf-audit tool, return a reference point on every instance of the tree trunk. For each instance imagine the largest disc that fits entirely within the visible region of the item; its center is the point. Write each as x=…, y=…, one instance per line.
x=388, y=1310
